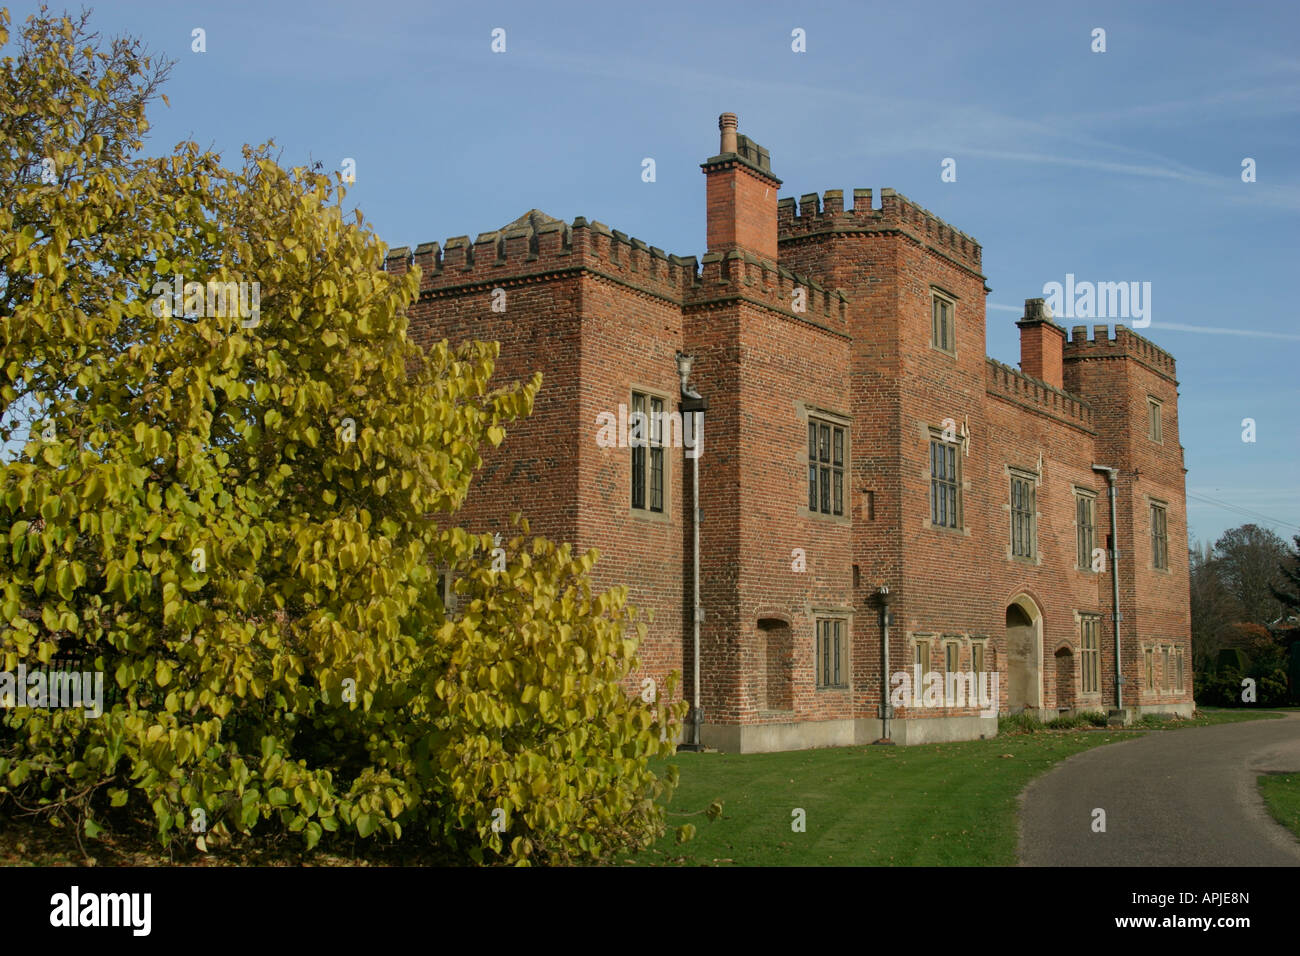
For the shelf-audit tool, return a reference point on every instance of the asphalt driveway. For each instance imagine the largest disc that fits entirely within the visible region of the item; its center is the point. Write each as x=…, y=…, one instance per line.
x=1171, y=798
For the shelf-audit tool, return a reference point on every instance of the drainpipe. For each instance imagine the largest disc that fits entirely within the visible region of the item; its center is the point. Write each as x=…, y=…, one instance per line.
x=1114, y=580
x=886, y=707
x=694, y=406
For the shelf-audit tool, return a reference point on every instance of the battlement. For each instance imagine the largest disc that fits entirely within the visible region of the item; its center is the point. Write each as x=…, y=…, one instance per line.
x=1005, y=381
x=776, y=287
x=816, y=215
x=1124, y=342
x=536, y=244
x=538, y=247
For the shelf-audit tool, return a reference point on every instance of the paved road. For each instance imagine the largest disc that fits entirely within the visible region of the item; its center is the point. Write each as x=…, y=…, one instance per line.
x=1172, y=798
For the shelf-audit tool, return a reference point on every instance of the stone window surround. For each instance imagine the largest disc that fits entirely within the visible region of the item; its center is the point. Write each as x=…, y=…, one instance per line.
x=943, y=295
x=807, y=411
x=1155, y=420
x=645, y=514
x=1082, y=491
x=834, y=612
x=1026, y=474
x=1150, y=503
x=929, y=433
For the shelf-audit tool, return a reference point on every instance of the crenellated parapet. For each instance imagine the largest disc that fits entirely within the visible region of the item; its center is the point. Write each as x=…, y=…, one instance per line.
x=545, y=248
x=1007, y=382
x=540, y=248
x=616, y=254
x=1124, y=343
x=779, y=288
x=817, y=215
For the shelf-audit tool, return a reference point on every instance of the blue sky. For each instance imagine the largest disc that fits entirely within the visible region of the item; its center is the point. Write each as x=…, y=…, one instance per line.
x=1117, y=166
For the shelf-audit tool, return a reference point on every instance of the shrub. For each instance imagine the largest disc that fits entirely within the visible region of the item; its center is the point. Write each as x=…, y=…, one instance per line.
x=1021, y=723
x=1232, y=659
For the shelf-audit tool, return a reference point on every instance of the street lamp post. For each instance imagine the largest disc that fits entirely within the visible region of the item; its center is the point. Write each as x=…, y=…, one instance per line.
x=886, y=707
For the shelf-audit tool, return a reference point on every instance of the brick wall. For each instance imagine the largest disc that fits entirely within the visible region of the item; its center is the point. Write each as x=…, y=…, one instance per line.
x=1117, y=374
x=957, y=584
x=764, y=371
x=629, y=339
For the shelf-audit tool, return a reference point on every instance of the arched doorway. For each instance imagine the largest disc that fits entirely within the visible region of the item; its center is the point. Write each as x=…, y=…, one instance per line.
x=1024, y=656
x=1064, y=679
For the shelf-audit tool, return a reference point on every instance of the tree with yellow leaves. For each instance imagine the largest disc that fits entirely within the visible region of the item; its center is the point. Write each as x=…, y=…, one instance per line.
x=230, y=456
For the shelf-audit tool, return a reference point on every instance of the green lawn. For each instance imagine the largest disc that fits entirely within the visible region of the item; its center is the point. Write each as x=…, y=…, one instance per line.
x=949, y=804
x=934, y=805
x=1282, y=795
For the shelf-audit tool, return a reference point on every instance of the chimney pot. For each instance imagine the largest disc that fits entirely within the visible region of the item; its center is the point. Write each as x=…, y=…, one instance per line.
x=727, y=123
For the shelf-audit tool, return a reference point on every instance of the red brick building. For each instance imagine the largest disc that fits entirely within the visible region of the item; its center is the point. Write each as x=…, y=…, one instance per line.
x=856, y=437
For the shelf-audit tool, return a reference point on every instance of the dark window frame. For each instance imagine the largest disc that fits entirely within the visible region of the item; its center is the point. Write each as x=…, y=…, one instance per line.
x=943, y=323
x=1090, y=653
x=827, y=463
x=925, y=660
x=945, y=484
x=1085, y=507
x=831, y=653
x=649, y=463
x=1024, y=517
x=1159, y=536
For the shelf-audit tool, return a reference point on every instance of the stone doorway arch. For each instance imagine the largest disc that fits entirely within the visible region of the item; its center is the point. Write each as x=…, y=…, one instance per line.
x=1024, y=656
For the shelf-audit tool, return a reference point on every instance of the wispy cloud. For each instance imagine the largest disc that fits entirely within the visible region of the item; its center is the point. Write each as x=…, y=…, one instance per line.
x=1182, y=327
x=967, y=129
x=1219, y=330
x=1227, y=188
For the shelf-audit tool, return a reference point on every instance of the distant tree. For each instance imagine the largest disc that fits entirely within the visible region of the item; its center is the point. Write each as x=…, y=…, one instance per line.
x=1248, y=561
x=1287, y=633
x=1255, y=640
x=1213, y=608
x=1288, y=594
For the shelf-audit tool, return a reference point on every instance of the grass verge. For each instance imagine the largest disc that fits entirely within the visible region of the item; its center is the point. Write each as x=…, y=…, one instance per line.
x=1089, y=720
x=1281, y=793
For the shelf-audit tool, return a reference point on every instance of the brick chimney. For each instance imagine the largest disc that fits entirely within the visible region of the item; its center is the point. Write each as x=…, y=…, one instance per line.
x=1042, y=342
x=741, y=195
